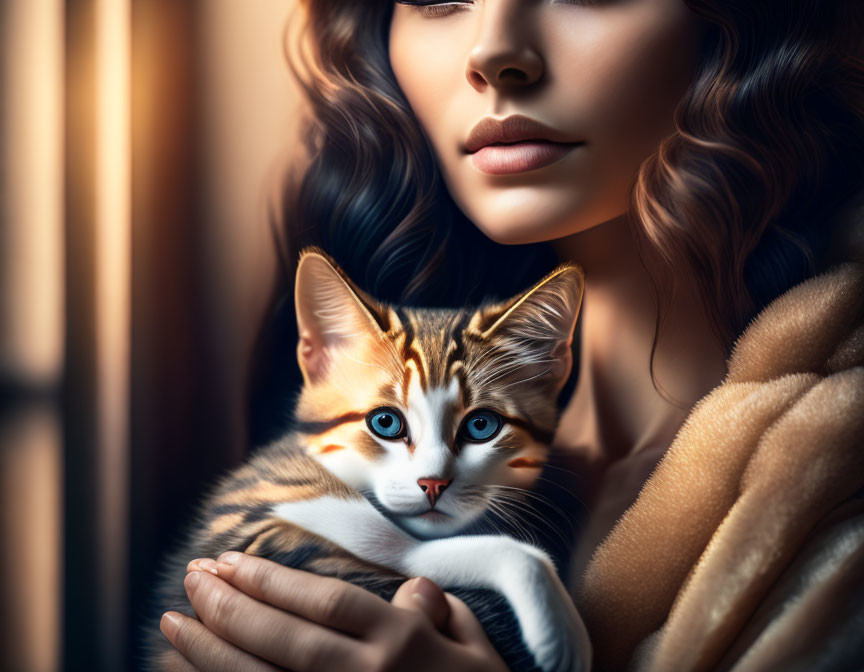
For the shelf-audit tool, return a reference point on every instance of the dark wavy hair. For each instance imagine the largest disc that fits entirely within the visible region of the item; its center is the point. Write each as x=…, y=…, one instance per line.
x=769, y=142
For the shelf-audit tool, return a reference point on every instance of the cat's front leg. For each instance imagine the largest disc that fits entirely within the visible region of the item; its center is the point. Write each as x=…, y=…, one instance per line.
x=551, y=626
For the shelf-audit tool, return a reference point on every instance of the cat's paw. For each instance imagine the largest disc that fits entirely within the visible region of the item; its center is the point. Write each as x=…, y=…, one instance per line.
x=554, y=633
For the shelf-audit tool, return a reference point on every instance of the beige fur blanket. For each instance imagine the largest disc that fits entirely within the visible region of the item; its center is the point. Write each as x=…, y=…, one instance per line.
x=745, y=548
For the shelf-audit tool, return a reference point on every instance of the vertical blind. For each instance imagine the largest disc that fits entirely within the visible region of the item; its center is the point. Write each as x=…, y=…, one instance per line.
x=142, y=144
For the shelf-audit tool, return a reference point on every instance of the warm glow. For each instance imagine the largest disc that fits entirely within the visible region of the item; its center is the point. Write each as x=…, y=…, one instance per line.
x=213, y=107
x=31, y=329
x=113, y=225
x=30, y=515
x=31, y=194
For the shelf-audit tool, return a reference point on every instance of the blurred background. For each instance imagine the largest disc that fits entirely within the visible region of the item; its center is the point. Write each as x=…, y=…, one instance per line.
x=143, y=144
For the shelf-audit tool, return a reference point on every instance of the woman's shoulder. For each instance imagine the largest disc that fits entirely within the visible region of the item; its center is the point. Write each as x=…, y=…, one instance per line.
x=815, y=327
x=759, y=462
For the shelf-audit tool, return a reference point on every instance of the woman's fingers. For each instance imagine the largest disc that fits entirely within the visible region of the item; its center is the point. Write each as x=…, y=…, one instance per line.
x=268, y=632
x=421, y=594
x=464, y=627
x=202, y=651
x=324, y=600
x=173, y=661
x=286, y=617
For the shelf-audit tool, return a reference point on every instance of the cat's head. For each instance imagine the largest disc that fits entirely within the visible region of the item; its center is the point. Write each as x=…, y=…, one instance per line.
x=432, y=411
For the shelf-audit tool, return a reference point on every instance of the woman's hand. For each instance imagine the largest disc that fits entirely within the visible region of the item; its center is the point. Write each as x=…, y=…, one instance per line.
x=259, y=616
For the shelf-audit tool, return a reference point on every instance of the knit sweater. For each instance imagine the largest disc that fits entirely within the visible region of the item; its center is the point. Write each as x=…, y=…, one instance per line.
x=745, y=548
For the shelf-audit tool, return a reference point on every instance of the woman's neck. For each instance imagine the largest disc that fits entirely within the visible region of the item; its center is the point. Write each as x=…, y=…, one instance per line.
x=615, y=410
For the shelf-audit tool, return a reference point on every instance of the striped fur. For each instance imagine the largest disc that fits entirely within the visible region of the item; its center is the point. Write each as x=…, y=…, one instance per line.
x=434, y=367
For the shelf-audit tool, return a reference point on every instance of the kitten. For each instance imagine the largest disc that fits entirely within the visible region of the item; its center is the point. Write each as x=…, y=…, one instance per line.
x=409, y=424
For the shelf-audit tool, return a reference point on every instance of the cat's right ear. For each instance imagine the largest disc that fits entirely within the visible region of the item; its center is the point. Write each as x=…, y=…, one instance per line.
x=537, y=325
x=333, y=315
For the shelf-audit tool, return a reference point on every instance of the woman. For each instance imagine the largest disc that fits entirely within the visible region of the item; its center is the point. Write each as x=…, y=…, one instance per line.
x=695, y=158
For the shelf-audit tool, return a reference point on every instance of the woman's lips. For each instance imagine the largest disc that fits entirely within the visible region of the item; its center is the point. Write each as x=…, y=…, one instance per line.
x=519, y=157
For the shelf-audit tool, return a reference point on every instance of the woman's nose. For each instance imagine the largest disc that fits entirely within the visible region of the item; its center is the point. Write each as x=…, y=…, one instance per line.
x=503, y=55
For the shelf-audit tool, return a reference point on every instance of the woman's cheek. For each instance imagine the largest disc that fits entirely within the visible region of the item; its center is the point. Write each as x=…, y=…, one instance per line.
x=428, y=60
x=635, y=65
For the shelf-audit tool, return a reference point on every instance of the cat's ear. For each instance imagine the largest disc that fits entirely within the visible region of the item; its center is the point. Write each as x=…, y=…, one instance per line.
x=333, y=314
x=537, y=325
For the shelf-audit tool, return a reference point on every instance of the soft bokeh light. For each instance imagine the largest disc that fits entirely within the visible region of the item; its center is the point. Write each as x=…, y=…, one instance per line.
x=142, y=144
x=31, y=331
x=31, y=140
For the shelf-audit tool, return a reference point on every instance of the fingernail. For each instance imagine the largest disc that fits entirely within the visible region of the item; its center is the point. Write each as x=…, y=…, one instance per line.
x=203, y=564
x=421, y=600
x=229, y=558
x=226, y=564
x=415, y=583
x=169, y=624
x=426, y=588
x=192, y=579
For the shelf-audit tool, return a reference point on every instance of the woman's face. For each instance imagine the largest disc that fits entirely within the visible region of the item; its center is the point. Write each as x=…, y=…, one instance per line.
x=604, y=76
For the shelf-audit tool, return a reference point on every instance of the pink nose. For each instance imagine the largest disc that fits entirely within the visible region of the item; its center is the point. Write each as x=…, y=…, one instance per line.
x=433, y=487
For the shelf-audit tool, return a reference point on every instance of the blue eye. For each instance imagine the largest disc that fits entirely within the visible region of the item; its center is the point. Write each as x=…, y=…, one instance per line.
x=481, y=426
x=386, y=422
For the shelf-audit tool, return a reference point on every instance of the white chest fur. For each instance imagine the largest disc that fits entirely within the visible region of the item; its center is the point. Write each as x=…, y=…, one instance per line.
x=524, y=575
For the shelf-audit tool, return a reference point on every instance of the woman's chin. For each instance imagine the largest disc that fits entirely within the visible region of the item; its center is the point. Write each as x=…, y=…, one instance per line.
x=526, y=231
x=533, y=216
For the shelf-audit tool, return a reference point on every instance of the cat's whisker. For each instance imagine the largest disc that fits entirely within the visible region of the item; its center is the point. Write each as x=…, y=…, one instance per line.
x=504, y=527
x=497, y=502
x=564, y=489
x=370, y=364
x=527, y=509
x=503, y=372
x=508, y=359
x=525, y=380
x=544, y=501
x=520, y=528
x=516, y=517
x=560, y=451
x=525, y=493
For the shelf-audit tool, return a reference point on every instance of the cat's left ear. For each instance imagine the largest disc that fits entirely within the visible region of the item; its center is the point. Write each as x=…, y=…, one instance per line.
x=537, y=325
x=334, y=316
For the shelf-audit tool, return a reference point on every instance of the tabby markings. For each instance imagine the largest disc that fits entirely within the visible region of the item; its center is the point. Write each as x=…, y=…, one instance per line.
x=456, y=333
x=225, y=522
x=526, y=463
x=406, y=382
x=538, y=434
x=410, y=353
x=454, y=366
x=321, y=426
